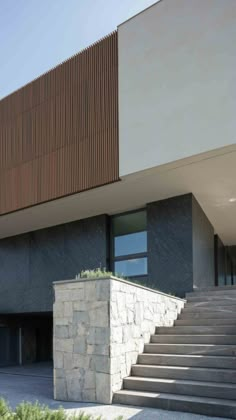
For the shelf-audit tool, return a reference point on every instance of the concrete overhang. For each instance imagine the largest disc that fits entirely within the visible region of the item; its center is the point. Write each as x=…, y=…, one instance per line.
x=211, y=177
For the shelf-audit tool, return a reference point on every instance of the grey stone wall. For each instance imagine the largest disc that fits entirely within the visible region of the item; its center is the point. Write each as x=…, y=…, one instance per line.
x=203, y=249
x=180, y=246
x=220, y=258
x=29, y=263
x=100, y=327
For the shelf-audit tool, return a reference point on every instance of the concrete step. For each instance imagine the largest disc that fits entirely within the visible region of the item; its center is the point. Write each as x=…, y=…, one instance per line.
x=197, y=329
x=193, y=339
x=198, y=349
x=226, y=362
x=205, y=321
x=182, y=387
x=210, y=308
x=216, y=289
x=217, y=292
x=198, y=405
x=210, y=303
x=217, y=299
x=211, y=315
x=185, y=373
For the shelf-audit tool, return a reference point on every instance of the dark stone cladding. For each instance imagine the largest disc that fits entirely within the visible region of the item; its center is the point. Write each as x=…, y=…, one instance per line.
x=29, y=263
x=180, y=246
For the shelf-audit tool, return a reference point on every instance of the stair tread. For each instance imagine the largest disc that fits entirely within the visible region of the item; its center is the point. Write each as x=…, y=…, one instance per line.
x=193, y=335
x=187, y=368
x=179, y=397
x=197, y=356
x=188, y=344
x=181, y=381
x=176, y=359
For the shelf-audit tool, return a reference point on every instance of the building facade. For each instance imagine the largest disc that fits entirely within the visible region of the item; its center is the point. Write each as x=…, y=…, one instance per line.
x=123, y=157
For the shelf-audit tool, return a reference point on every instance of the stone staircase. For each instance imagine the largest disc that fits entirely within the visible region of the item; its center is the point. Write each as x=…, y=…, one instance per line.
x=191, y=366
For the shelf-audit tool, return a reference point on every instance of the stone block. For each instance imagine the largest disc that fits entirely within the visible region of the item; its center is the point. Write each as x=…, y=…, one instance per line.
x=78, y=295
x=100, y=363
x=99, y=316
x=81, y=361
x=62, y=320
x=63, y=344
x=75, y=285
x=61, y=331
x=59, y=373
x=80, y=305
x=90, y=290
x=103, y=290
x=80, y=317
x=74, y=389
x=60, y=390
x=115, y=366
x=58, y=309
x=68, y=361
x=80, y=345
x=63, y=295
x=89, y=396
x=98, y=335
x=98, y=349
x=58, y=360
x=68, y=309
x=116, y=335
x=89, y=379
x=103, y=388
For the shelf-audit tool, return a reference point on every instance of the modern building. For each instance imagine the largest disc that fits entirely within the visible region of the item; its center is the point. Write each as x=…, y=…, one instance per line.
x=123, y=157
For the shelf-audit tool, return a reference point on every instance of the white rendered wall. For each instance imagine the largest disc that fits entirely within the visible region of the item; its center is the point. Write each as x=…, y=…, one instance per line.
x=177, y=82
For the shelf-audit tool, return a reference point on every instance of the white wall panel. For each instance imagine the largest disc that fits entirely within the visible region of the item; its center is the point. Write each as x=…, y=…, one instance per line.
x=177, y=82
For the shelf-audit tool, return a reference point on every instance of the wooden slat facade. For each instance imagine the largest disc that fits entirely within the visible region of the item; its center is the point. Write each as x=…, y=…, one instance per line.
x=59, y=133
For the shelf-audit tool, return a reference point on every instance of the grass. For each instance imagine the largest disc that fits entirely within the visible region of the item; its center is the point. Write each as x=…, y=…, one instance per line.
x=27, y=411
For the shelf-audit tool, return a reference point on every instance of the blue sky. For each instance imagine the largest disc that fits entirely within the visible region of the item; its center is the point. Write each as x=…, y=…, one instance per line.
x=36, y=35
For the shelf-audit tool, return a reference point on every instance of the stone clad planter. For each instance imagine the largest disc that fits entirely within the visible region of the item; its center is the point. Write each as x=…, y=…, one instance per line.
x=100, y=327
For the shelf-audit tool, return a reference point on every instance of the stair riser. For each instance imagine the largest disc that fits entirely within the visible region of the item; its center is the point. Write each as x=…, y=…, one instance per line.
x=211, y=308
x=212, y=293
x=219, y=376
x=217, y=330
x=180, y=389
x=224, y=291
x=204, y=408
x=205, y=322
x=184, y=349
x=207, y=315
x=207, y=362
x=193, y=339
x=211, y=304
x=231, y=299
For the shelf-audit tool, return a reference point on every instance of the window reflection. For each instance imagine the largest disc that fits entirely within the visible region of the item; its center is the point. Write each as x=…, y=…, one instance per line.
x=129, y=244
x=132, y=267
x=133, y=243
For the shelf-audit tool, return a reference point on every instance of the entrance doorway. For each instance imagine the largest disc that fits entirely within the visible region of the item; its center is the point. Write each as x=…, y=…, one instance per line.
x=25, y=339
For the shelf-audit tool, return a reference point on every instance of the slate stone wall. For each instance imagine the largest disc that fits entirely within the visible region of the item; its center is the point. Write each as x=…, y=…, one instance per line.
x=170, y=253
x=180, y=246
x=29, y=263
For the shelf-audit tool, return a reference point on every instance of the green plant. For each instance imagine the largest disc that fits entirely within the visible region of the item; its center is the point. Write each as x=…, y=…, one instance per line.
x=27, y=411
x=4, y=410
x=92, y=274
x=96, y=273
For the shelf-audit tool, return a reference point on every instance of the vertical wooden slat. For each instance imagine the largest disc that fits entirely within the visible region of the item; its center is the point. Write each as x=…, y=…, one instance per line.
x=59, y=133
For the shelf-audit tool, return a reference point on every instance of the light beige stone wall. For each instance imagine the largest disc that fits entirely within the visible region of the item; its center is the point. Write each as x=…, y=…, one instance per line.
x=100, y=327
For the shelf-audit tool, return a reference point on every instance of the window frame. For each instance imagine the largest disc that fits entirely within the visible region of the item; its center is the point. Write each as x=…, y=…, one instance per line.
x=125, y=257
